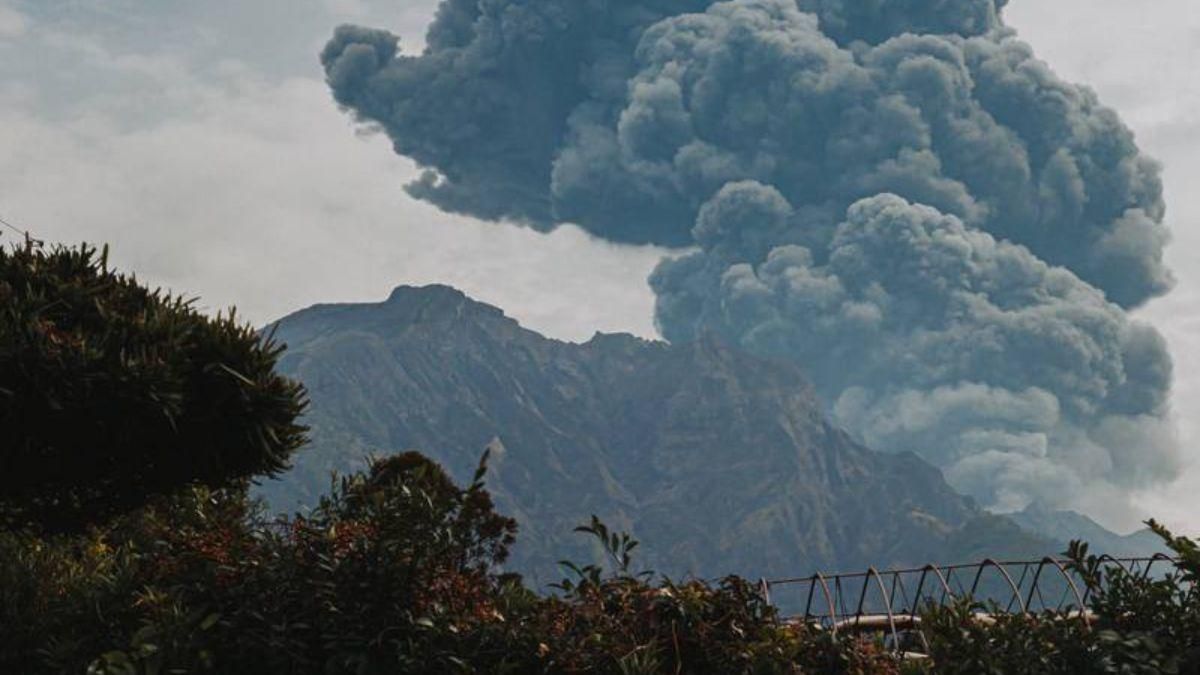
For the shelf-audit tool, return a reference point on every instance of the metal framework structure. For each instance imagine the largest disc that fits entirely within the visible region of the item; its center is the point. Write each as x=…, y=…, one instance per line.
x=889, y=602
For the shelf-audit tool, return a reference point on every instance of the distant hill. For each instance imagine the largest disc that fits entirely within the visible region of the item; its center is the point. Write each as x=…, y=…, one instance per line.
x=717, y=460
x=1063, y=526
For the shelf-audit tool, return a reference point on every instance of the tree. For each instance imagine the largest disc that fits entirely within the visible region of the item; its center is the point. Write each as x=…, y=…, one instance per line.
x=395, y=571
x=111, y=392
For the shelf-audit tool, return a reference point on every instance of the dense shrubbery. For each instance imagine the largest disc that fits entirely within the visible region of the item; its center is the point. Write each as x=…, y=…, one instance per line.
x=111, y=392
x=396, y=572
x=1142, y=624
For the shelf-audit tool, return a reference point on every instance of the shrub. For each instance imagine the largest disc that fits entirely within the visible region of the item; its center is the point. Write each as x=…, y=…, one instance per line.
x=394, y=572
x=397, y=571
x=1141, y=623
x=111, y=393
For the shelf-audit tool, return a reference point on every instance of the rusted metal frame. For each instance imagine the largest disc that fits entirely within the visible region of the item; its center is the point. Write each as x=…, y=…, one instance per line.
x=955, y=575
x=911, y=608
x=1020, y=584
x=812, y=587
x=1130, y=566
x=1082, y=606
x=946, y=592
x=862, y=596
x=1070, y=583
x=1135, y=567
x=910, y=601
x=898, y=582
x=841, y=596
x=1153, y=559
x=1033, y=587
x=1062, y=599
x=871, y=571
x=895, y=576
x=764, y=589
x=988, y=562
x=920, y=585
x=1108, y=559
x=1007, y=563
x=951, y=574
x=829, y=600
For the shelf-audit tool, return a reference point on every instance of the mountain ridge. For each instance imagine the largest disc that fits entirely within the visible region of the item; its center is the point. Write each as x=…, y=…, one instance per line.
x=718, y=460
x=1063, y=526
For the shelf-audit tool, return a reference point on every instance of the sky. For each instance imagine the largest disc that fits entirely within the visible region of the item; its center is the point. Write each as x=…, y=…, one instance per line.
x=1138, y=56
x=200, y=142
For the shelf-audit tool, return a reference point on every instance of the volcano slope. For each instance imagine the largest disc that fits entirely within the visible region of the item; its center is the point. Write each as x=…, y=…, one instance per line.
x=719, y=461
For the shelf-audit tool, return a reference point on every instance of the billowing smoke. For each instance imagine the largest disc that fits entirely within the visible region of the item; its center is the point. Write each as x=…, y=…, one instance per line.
x=895, y=193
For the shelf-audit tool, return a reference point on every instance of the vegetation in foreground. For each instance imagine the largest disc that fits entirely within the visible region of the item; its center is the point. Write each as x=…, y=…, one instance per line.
x=111, y=393
x=392, y=572
x=397, y=570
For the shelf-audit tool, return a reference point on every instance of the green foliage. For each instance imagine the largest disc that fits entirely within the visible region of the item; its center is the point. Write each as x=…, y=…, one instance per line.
x=397, y=571
x=966, y=638
x=1137, y=623
x=1145, y=623
x=622, y=624
x=618, y=549
x=111, y=392
x=67, y=600
x=394, y=572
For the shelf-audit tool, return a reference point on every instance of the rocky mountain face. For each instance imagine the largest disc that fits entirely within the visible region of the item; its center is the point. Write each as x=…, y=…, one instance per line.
x=718, y=461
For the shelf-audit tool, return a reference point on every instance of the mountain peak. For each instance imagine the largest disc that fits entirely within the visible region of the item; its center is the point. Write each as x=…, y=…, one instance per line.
x=438, y=303
x=684, y=444
x=428, y=293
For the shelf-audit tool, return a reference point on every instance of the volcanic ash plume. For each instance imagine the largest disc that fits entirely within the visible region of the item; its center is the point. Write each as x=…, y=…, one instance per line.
x=894, y=193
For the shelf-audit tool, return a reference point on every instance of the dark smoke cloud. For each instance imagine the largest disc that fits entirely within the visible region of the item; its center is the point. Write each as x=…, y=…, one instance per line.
x=875, y=21
x=896, y=193
x=937, y=338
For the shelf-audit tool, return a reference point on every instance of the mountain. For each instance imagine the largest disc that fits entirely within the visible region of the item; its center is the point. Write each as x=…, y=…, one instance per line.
x=1063, y=526
x=718, y=461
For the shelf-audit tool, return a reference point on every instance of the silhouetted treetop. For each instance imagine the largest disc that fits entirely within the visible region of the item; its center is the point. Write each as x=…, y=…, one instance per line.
x=111, y=392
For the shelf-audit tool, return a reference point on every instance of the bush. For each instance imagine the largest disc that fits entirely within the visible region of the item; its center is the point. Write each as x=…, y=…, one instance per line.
x=394, y=572
x=397, y=571
x=111, y=393
x=1140, y=624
